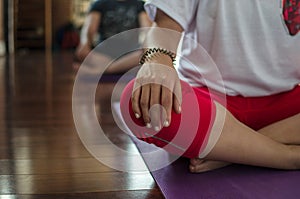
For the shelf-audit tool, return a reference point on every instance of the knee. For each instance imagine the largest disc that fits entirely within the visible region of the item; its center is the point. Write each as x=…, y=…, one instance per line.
x=186, y=132
x=161, y=139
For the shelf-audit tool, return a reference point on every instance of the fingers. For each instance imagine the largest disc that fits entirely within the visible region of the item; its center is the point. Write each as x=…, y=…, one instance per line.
x=144, y=104
x=155, y=108
x=177, y=97
x=153, y=103
x=135, y=99
x=155, y=94
x=167, y=103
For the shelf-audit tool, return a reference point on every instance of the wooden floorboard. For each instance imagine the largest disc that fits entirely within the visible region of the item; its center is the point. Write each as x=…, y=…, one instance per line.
x=146, y=194
x=41, y=153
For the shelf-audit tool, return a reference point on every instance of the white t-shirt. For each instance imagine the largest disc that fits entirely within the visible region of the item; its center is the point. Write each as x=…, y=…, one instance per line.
x=246, y=39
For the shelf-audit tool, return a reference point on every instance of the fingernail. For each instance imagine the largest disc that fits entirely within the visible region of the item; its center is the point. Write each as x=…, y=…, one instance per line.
x=166, y=124
x=156, y=128
x=137, y=116
x=179, y=109
x=148, y=125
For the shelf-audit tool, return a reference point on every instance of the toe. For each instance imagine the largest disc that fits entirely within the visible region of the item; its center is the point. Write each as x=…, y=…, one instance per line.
x=196, y=161
x=192, y=169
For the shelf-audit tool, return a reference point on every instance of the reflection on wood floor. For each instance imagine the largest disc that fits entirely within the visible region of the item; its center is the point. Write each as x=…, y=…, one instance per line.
x=41, y=155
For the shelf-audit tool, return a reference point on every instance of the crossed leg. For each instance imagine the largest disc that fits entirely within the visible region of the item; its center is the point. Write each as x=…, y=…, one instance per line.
x=237, y=142
x=273, y=146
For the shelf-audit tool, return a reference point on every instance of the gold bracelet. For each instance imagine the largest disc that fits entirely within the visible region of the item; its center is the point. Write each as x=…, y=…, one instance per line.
x=149, y=53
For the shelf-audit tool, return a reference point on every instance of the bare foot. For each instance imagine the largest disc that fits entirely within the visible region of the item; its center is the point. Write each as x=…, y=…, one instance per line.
x=201, y=165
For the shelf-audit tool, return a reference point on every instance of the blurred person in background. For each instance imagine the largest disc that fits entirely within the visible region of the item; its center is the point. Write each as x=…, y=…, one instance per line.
x=105, y=19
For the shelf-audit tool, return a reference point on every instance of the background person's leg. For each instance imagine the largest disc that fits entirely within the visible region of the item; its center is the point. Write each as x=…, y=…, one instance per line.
x=96, y=62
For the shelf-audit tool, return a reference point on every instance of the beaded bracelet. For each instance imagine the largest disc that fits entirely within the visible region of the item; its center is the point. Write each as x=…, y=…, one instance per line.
x=148, y=54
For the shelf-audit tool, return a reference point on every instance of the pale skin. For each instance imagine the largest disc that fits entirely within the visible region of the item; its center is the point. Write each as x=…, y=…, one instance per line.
x=88, y=34
x=275, y=146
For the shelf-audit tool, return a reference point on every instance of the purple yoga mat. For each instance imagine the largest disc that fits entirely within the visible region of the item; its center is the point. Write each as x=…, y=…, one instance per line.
x=234, y=181
x=231, y=182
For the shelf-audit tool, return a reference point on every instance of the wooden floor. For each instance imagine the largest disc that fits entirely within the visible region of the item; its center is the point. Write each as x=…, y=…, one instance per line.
x=41, y=155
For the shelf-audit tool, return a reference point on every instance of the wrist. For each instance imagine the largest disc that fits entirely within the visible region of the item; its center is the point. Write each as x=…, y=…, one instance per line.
x=152, y=54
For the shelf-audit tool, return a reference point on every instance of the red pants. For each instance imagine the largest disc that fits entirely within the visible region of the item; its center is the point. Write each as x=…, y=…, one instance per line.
x=189, y=131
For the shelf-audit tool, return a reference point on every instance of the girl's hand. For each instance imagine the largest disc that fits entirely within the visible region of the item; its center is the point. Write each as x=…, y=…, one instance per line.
x=156, y=91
